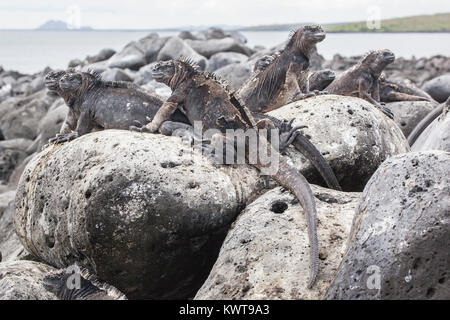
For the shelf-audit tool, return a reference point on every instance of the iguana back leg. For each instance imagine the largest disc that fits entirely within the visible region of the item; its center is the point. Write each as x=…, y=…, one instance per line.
x=308, y=150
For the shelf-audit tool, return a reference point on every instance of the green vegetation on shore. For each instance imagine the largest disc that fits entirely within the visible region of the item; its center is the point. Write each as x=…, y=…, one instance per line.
x=425, y=23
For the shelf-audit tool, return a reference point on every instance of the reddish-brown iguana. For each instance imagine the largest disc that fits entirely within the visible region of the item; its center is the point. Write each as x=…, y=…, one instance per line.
x=362, y=80
x=278, y=83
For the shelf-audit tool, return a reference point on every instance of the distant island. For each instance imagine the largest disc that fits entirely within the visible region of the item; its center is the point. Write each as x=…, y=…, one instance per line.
x=424, y=23
x=57, y=25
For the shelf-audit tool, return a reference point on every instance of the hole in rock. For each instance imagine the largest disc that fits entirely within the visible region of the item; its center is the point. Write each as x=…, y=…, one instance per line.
x=279, y=207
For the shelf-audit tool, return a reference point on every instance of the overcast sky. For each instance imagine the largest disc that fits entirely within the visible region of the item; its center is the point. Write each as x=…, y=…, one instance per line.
x=149, y=14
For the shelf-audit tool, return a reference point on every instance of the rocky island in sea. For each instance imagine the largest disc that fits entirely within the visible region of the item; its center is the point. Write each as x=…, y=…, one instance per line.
x=144, y=216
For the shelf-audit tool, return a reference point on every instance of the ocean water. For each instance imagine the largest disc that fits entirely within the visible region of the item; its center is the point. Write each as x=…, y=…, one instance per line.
x=32, y=51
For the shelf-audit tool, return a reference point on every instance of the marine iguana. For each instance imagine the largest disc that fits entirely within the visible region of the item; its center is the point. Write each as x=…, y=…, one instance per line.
x=63, y=284
x=391, y=91
x=425, y=122
x=97, y=104
x=362, y=79
x=317, y=80
x=278, y=84
x=136, y=116
x=202, y=98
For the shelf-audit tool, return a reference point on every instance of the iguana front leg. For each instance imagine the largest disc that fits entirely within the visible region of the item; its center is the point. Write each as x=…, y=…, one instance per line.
x=84, y=126
x=376, y=91
x=165, y=112
x=364, y=87
x=292, y=76
x=70, y=123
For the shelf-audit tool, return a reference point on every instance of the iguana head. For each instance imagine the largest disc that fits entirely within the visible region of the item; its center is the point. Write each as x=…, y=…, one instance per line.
x=305, y=38
x=52, y=79
x=164, y=71
x=326, y=75
x=71, y=81
x=173, y=72
x=377, y=60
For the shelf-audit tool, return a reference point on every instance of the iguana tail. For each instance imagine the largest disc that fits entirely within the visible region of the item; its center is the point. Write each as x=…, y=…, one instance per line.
x=291, y=179
x=79, y=285
x=302, y=144
x=424, y=123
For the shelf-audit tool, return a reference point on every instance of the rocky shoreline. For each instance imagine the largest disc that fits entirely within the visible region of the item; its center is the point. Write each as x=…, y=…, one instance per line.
x=150, y=216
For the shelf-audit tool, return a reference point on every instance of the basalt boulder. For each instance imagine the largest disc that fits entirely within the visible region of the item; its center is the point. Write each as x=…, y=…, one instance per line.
x=352, y=135
x=398, y=245
x=407, y=114
x=210, y=47
x=10, y=247
x=49, y=125
x=235, y=74
x=436, y=136
x=137, y=53
x=176, y=48
x=145, y=213
x=12, y=153
x=103, y=55
x=438, y=88
x=115, y=74
x=222, y=59
x=24, y=280
x=265, y=254
x=23, y=116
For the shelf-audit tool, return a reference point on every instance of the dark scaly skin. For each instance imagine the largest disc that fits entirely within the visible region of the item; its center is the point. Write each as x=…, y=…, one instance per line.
x=97, y=105
x=204, y=99
x=392, y=91
x=425, y=122
x=320, y=80
x=278, y=83
x=362, y=80
x=317, y=80
x=89, y=289
x=302, y=144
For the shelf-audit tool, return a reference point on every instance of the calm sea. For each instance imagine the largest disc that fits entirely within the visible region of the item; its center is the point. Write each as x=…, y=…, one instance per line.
x=32, y=51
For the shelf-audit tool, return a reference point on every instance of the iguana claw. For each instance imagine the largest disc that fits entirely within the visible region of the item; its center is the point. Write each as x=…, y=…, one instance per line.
x=64, y=137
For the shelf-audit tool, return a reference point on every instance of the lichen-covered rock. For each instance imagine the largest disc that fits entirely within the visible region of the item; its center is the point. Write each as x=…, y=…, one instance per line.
x=438, y=88
x=436, y=136
x=352, y=135
x=400, y=239
x=143, y=212
x=23, y=280
x=407, y=114
x=265, y=254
